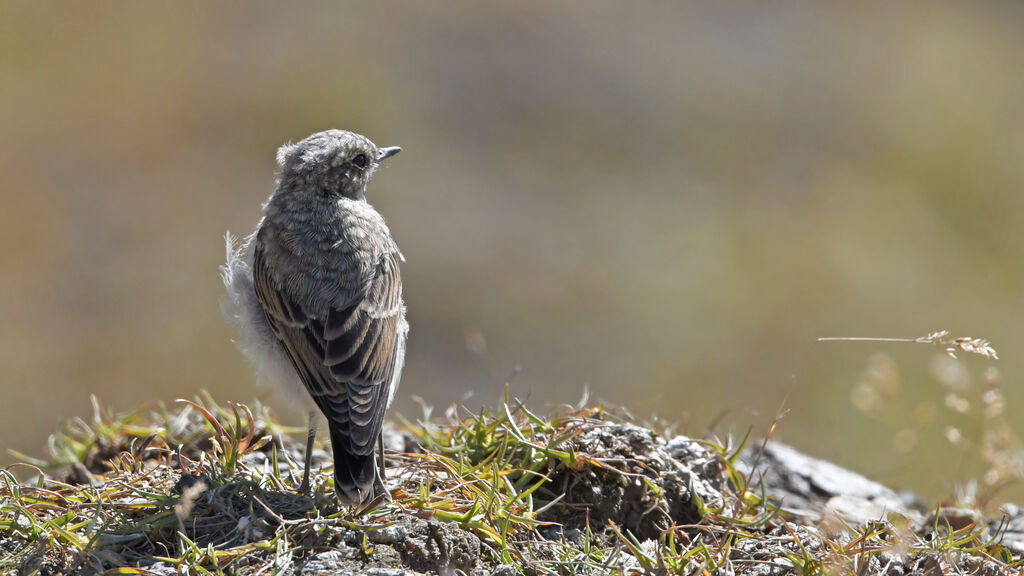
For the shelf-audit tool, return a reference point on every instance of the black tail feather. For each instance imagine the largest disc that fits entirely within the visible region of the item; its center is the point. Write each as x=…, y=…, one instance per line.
x=355, y=475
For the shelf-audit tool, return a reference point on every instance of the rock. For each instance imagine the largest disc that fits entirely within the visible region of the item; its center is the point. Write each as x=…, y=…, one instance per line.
x=388, y=535
x=1013, y=531
x=817, y=490
x=439, y=547
x=638, y=483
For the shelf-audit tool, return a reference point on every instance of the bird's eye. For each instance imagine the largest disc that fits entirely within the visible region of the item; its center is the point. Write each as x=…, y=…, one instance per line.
x=360, y=160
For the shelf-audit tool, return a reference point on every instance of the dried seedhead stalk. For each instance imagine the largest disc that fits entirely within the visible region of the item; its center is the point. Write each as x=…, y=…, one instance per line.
x=964, y=343
x=940, y=338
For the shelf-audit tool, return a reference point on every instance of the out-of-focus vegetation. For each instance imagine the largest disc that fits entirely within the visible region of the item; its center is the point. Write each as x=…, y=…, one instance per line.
x=667, y=204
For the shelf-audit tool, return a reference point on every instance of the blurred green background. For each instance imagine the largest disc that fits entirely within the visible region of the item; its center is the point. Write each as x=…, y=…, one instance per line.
x=665, y=203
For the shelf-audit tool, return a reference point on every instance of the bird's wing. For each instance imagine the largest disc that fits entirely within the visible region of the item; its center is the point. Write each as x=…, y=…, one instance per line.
x=347, y=360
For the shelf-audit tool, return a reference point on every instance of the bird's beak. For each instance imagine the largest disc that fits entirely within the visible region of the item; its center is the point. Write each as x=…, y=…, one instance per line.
x=387, y=152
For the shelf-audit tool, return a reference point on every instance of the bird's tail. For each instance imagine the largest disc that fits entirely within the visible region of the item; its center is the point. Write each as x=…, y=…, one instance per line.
x=355, y=475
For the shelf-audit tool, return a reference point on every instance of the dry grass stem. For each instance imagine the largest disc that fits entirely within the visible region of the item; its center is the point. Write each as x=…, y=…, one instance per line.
x=940, y=338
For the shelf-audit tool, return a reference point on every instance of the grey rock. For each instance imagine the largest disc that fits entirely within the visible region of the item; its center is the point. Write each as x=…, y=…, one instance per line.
x=388, y=535
x=818, y=490
x=331, y=562
x=439, y=547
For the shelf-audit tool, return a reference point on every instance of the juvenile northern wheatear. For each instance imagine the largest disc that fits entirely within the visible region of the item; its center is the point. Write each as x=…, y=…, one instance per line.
x=316, y=295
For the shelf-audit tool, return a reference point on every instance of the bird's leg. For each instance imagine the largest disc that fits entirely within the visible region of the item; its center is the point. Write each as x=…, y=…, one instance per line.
x=379, y=485
x=310, y=436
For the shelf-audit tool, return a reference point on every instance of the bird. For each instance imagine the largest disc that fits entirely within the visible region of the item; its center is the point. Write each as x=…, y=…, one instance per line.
x=316, y=296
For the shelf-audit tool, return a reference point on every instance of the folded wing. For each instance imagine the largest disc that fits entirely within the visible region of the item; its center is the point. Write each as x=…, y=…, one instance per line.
x=347, y=360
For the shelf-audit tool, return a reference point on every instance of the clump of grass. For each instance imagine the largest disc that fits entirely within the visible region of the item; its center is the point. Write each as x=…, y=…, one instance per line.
x=483, y=472
x=204, y=488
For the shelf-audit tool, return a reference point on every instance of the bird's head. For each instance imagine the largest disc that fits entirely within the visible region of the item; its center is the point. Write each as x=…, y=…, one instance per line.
x=333, y=164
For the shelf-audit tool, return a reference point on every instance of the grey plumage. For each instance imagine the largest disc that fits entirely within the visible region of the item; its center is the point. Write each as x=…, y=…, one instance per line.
x=317, y=289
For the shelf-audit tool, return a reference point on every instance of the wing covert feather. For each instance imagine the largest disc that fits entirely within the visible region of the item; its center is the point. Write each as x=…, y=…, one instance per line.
x=346, y=360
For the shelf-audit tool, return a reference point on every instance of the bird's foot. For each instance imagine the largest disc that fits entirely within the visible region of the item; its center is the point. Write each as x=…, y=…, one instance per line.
x=383, y=497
